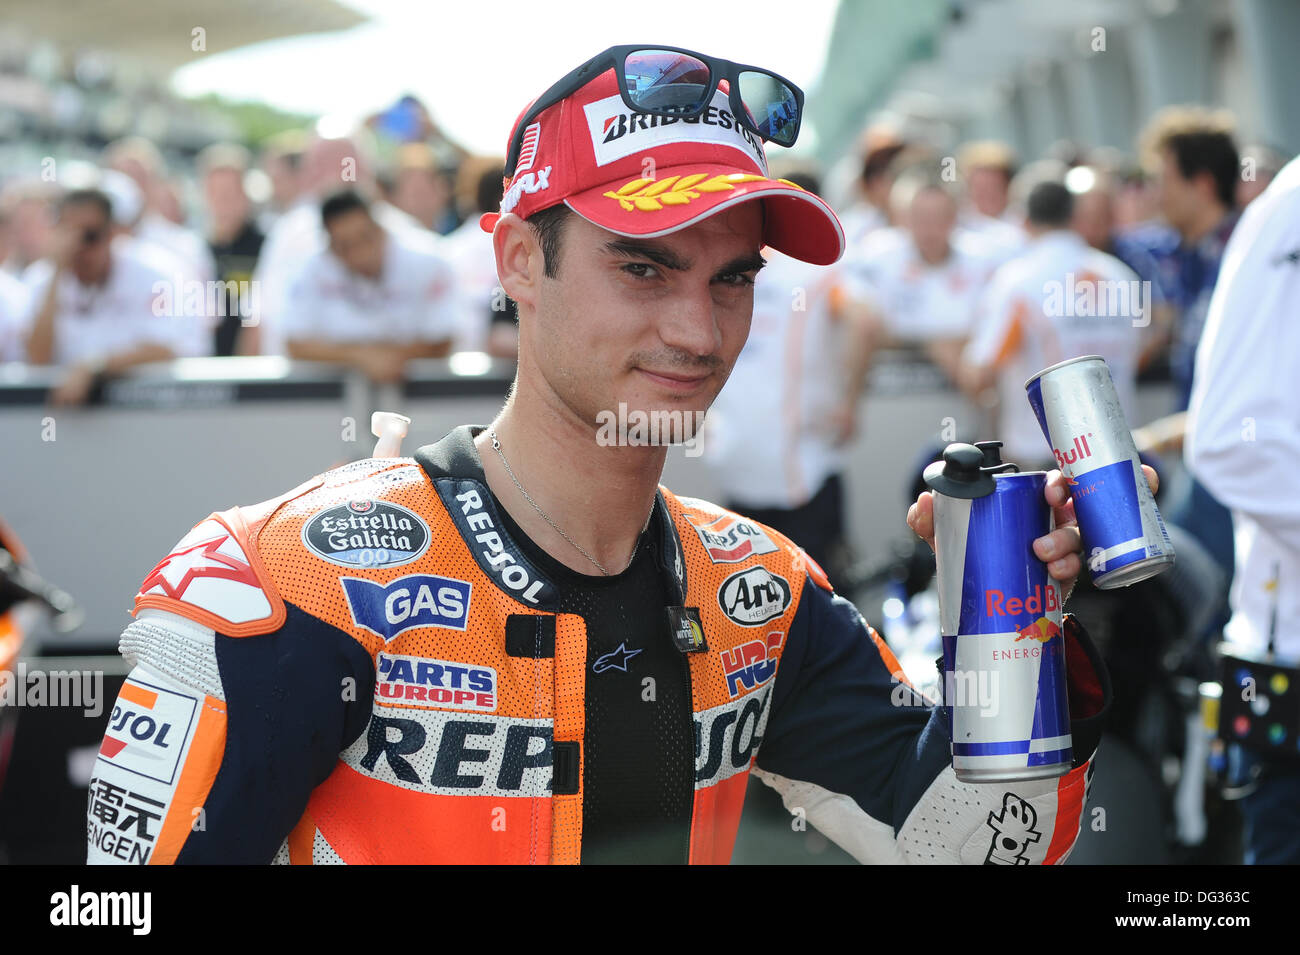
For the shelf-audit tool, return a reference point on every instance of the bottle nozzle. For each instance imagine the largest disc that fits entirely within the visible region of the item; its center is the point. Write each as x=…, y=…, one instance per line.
x=390, y=428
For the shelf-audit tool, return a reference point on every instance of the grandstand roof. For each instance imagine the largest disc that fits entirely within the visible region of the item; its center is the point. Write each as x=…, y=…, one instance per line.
x=158, y=36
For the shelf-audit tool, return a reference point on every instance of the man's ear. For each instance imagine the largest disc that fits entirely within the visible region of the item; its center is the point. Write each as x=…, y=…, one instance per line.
x=520, y=265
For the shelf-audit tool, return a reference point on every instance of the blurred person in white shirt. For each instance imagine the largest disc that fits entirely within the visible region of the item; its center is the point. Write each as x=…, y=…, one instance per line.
x=1243, y=439
x=775, y=438
x=488, y=318
x=880, y=147
x=372, y=299
x=1060, y=299
x=140, y=160
x=328, y=165
x=98, y=305
x=925, y=278
x=14, y=299
x=26, y=216
x=988, y=167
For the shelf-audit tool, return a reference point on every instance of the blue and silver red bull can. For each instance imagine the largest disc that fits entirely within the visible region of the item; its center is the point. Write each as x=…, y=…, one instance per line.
x=1124, y=537
x=1000, y=615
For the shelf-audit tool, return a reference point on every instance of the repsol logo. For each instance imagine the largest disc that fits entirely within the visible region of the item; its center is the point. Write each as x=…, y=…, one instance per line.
x=434, y=751
x=491, y=550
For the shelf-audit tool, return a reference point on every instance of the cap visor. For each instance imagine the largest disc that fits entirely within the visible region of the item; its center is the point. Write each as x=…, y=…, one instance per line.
x=797, y=222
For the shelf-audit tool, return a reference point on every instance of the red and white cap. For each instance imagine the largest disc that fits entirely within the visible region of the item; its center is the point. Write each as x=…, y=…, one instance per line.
x=645, y=176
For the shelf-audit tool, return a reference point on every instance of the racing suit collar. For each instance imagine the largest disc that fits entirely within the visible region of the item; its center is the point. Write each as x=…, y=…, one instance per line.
x=456, y=456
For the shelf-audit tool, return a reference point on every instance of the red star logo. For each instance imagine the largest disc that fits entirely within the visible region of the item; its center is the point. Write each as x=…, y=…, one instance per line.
x=199, y=560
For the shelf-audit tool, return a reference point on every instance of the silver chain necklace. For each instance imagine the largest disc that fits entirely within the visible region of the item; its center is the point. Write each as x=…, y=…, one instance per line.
x=496, y=446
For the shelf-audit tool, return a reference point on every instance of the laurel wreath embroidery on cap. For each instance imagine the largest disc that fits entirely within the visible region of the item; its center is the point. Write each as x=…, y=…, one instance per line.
x=651, y=195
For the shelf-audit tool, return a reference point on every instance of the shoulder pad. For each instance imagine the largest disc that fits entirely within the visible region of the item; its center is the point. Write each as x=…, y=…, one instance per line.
x=727, y=537
x=731, y=538
x=215, y=576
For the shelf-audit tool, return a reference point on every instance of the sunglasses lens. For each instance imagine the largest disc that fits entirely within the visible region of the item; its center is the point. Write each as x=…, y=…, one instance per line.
x=772, y=106
x=664, y=81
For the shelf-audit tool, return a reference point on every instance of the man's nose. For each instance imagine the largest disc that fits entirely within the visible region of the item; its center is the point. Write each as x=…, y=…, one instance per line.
x=690, y=324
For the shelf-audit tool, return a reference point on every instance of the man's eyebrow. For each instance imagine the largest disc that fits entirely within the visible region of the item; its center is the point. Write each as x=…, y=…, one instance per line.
x=658, y=254
x=751, y=262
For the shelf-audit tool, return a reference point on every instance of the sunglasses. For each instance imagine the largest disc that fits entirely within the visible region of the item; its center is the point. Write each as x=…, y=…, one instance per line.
x=670, y=81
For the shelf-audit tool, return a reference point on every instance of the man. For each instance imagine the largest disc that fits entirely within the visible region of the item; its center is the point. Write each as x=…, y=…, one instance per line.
x=421, y=189
x=1193, y=154
x=98, y=303
x=869, y=208
x=234, y=239
x=1243, y=436
x=327, y=166
x=488, y=319
x=515, y=647
x=777, y=432
x=139, y=159
x=1059, y=300
x=988, y=168
x=925, y=278
x=26, y=217
x=1194, y=160
x=372, y=300
x=1093, y=192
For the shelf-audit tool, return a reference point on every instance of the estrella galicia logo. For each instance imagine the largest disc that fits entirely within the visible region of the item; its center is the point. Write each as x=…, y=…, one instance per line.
x=754, y=596
x=416, y=600
x=366, y=533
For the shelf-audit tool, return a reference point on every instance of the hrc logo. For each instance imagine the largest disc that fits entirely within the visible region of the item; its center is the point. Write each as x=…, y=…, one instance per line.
x=751, y=664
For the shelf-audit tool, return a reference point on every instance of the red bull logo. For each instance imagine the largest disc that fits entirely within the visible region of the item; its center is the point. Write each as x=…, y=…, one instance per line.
x=1075, y=454
x=1041, y=630
x=1041, y=599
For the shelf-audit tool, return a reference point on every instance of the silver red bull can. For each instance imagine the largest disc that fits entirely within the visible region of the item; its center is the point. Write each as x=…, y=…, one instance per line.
x=1005, y=687
x=1124, y=537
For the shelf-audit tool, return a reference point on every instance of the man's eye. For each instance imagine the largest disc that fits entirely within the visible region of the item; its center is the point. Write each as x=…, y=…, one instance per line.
x=738, y=279
x=639, y=270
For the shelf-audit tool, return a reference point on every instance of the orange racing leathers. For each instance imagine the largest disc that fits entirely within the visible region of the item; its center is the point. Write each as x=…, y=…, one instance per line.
x=378, y=667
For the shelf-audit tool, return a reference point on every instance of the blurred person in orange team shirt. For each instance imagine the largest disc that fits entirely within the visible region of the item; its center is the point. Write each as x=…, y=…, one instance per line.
x=1061, y=299
x=987, y=167
x=372, y=299
x=881, y=145
x=924, y=278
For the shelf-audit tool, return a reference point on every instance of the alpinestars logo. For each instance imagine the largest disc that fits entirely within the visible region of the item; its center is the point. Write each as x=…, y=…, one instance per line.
x=1013, y=832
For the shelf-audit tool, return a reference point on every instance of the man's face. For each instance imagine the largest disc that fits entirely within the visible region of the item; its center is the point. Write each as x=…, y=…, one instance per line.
x=656, y=324
x=987, y=187
x=358, y=242
x=930, y=219
x=224, y=190
x=1093, y=217
x=92, y=229
x=1178, y=198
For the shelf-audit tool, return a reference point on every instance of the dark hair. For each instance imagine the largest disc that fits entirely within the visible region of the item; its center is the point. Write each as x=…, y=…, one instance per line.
x=88, y=197
x=341, y=203
x=1212, y=152
x=549, y=226
x=807, y=179
x=1049, y=204
x=1200, y=141
x=878, y=161
x=489, y=189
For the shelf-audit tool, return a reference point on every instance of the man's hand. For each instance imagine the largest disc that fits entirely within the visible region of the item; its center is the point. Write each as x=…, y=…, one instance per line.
x=75, y=387
x=64, y=244
x=842, y=422
x=1059, y=550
